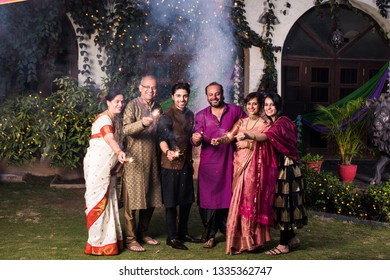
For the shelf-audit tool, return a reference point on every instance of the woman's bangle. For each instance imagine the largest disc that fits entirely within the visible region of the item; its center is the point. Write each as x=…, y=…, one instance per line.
x=166, y=152
x=118, y=152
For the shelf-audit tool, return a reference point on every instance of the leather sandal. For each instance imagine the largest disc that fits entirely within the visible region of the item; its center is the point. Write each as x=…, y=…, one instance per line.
x=276, y=251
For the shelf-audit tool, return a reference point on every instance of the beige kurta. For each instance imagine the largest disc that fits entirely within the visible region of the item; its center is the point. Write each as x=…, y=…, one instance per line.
x=141, y=177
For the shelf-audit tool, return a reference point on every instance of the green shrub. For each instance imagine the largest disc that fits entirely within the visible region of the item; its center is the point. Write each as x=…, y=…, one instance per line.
x=312, y=157
x=325, y=192
x=72, y=111
x=24, y=128
x=55, y=127
x=379, y=201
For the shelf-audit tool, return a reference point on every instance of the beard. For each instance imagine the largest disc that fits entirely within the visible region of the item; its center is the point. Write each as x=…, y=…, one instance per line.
x=217, y=105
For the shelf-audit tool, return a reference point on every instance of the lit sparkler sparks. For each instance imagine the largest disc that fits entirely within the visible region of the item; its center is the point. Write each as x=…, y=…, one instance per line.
x=178, y=153
x=155, y=113
x=129, y=159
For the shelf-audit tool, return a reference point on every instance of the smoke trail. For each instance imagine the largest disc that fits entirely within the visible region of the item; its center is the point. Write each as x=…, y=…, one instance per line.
x=205, y=28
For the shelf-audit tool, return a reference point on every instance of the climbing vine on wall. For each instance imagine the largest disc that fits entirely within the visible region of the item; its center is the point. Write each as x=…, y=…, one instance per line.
x=28, y=40
x=29, y=36
x=116, y=27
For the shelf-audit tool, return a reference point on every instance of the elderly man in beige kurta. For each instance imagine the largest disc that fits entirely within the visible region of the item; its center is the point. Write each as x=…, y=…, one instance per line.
x=141, y=182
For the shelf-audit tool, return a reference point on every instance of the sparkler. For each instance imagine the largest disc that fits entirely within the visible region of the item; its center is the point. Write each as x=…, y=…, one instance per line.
x=178, y=153
x=10, y=1
x=129, y=159
x=155, y=113
x=203, y=135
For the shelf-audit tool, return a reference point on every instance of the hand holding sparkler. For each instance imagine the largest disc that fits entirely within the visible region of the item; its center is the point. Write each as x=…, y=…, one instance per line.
x=121, y=156
x=147, y=121
x=174, y=154
x=197, y=137
x=178, y=153
x=242, y=136
x=227, y=138
x=216, y=141
x=119, y=165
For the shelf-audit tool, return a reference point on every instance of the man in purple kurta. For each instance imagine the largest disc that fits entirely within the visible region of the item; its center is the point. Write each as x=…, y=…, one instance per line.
x=216, y=162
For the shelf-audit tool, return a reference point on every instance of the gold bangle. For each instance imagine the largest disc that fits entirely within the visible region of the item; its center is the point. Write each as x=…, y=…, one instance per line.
x=118, y=152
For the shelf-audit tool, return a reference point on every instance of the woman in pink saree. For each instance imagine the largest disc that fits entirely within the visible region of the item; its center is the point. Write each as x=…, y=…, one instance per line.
x=104, y=151
x=289, y=201
x=255, y=169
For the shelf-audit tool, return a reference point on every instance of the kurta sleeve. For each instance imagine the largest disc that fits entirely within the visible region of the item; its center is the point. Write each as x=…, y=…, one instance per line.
x=131, y=126
x=165, y=131
x=199, y=122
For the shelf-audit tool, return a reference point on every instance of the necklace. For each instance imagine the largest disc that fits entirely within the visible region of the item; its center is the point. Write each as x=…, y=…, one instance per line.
x=253, y=124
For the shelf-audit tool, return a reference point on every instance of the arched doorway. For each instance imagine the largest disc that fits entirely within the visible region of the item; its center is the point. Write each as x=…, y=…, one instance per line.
x=316, y=70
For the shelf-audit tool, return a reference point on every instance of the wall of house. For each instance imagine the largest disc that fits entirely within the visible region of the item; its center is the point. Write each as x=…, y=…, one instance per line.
x=255, y=64
x=96, y=73
x=255, y=9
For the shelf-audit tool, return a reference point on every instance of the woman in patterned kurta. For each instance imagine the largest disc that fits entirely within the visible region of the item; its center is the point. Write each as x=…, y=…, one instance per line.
x=104, y=151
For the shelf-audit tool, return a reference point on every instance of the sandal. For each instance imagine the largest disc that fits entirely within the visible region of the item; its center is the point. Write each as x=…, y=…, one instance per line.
x=210, y=243
x=294, y=243
x=150, y=241
x=135, y=247
x=275, y=251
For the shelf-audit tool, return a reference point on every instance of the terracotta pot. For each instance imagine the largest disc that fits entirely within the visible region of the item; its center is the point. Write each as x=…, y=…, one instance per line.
x=315, y=165
x=347, y=173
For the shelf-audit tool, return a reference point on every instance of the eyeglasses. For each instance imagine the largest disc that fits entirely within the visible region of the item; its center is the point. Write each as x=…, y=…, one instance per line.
x=149, y=87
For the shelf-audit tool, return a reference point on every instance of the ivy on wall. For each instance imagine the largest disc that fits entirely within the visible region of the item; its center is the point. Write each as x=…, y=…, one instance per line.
x=120, y=28
x=116, y=28
x=28, y=40
x=54, y=126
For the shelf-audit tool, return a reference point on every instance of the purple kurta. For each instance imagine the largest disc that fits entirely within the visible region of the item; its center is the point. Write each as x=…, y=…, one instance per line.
x=215, y=172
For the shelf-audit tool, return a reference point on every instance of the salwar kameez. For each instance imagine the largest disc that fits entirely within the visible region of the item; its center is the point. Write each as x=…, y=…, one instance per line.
x=289, y=205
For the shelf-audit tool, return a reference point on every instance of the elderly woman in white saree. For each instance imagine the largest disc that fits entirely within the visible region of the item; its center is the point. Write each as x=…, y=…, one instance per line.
x=104, y=152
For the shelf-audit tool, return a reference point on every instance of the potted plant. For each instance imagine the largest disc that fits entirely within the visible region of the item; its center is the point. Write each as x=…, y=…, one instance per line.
x=313, y=161
x=344, y=125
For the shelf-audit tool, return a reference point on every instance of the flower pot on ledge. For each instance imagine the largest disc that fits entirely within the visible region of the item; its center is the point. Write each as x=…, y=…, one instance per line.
x=315, y=165
x=347, y=173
